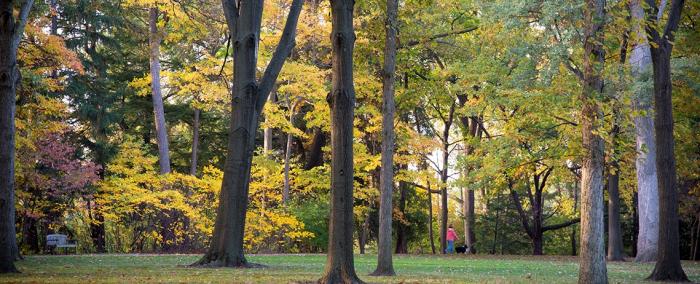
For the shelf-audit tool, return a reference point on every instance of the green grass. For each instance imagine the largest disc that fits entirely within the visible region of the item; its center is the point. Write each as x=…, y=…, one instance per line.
x=301, y=268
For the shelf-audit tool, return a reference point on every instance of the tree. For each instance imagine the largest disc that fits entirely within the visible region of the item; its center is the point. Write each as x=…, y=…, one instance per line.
x=248, y=99
x=385, y=265
x=339, y=263
x=648, y=203
x=154, y=38
x=11, y=31
x=668, y=262
x=592, y=268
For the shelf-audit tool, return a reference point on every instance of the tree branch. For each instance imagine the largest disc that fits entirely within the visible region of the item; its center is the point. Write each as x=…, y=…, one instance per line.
x=561, y=225
x=284, y=48
x=21, y=22
x=437, y=36
x=231, y=14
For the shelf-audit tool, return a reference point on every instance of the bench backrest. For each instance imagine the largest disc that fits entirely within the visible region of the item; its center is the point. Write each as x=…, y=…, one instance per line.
x=56, y=239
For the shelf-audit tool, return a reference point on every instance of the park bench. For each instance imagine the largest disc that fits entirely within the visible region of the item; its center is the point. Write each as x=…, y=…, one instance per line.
x=58, y=241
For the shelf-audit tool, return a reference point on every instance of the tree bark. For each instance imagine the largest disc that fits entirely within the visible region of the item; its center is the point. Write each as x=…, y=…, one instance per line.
x=443, y=178
x=648, y=202
x=248, y=99
x=340, y=263
x=592, y=267
x=668, y=264
x=154, y=38
x=195, y=141
x=11, y=31
x=385, y=266
x=615, y=246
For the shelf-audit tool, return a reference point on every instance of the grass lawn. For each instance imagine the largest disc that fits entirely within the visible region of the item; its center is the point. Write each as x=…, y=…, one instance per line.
x=293, y=268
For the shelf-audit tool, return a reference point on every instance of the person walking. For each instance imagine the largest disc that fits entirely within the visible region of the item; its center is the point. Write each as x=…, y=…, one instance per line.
x=451, y=237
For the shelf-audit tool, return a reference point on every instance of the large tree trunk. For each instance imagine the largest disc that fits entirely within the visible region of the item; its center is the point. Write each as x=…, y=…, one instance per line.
x=248, y=99
x=615, y=247
x=154, y=38
x=340, y=263
x=592, y=267
x=195, y=141
x=10, y=34
x=470, y=237
x=385, y=265
x=648, y=197
x=668, y=264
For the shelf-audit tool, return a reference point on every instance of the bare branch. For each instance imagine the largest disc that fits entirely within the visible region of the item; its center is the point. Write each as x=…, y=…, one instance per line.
x=21, y=22
x=561, y=225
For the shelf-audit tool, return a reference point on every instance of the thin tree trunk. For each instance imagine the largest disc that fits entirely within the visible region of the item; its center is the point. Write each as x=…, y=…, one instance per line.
x=668, y=263
x=443, y=179
x=340, y=262
x=647, y=188
x=287, y=156
x=267, y=132
x=154, y=38
x=592, y=267
x=430, y=220
x=385, y=264
x=10, y=33
x=248, y=99
x=195, y=141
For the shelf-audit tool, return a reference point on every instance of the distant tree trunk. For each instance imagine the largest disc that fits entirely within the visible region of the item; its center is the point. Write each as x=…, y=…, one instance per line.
x=97, y=227
x=573, y=228
x=248, y=99
x=316, y=150
x=431, y=234
x=385, y=266
x=401, y=230
x=647, y=188
x=195, y=141
x=11, y=31
x=592, y=267
x=288, y=155
x=340, y=263
x=668, y=263
x=154, y=38
x=443, y=178
x=615, y=246
x=267, y=132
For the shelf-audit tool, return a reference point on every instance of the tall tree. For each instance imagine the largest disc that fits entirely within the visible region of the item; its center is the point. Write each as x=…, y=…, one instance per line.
x=592, y=267
x=248, y=99
x=385, y=265
x=154, y=39
x=11, y=31
x=668, y=261
x=647, y=189
x=340, y=267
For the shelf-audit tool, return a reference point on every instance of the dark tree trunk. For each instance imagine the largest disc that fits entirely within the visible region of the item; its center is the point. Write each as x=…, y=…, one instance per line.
x=340, y=262
x=615, y=246
x=431, y=234
x=97, y=228
x=668, y=263
x=195, y=141
x=10, y=33
x=469, y=223
x=443, y=178
x=248, y=99
x=316, y=150
x=385, y=266
x=592, y=267
x=154, y=39
x=401, y=230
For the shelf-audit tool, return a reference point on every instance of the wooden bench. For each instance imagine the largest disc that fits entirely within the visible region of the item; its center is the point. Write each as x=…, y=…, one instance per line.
x=58, y=241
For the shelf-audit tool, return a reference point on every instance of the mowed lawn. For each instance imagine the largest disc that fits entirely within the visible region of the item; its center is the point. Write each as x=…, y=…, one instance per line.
x=292, y=268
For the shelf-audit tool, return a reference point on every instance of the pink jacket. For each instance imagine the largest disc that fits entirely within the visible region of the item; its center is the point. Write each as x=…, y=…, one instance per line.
x=451, y=235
